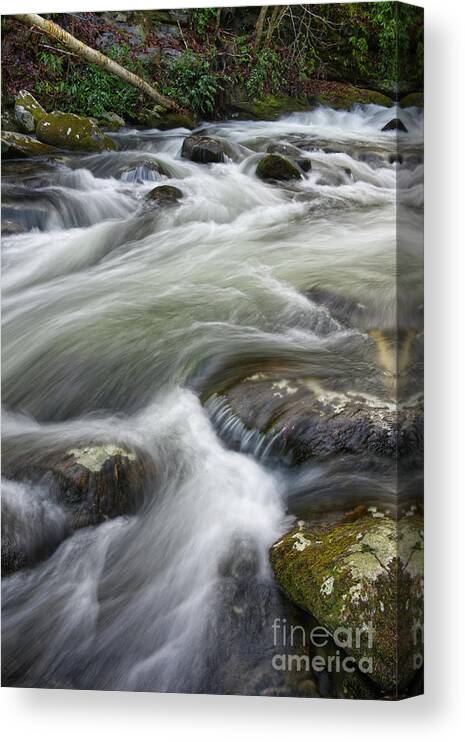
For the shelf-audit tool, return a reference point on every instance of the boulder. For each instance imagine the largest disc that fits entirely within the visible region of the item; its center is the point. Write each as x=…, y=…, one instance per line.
x=165, y=195
x=277, y=167
x=296, y=420
x=92, y=483
x=9, y=122
x=206, y=149
x=28, y=112
x=158, y=118
x=143, y=170
x=15, y=144
x=269, y=108
x=292, y=153
x=10, y=227
x=363, y=582
x=111, y=121
x=68, y=131
x=412, y=99
x=394, y=125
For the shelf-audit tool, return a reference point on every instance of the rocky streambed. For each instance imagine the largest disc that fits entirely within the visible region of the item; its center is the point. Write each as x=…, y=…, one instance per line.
x=213, y=414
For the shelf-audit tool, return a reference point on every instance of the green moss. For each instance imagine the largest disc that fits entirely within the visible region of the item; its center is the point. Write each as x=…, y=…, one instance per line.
x=346, y=96
x=26, y=102
x=271, y=107
x=68, y=131
x=160, y=119
x=277, y=167
x=413, y=99
x=21, y=145
x=366, y=573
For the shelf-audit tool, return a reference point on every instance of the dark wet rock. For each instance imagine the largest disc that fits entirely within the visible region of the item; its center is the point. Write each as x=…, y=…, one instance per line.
x=277, y=167
x=394, y=125
x=10, y=227
x=92, y=483
x=68, y=131
x=300, y=421
x=33, y=525
x=412, y=99
x=28, y=112
x=206, y=149
x=111, y=121
x=15, y=144
x=165, y=195
x=365, y=576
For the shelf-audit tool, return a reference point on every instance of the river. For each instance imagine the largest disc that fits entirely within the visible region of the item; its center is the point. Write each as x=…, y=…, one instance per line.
x=117, y=320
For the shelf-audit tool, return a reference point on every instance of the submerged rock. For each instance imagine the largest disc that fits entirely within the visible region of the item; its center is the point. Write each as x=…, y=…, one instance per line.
x=15, y=144
x=207, y=149
x=165, y=195
x=28, y=112
x=68, y=131
x=363, y=582
x=277, y=167
x=394, y=125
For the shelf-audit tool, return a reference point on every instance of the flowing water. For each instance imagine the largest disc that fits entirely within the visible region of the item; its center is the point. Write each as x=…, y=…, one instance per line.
x=118, y=317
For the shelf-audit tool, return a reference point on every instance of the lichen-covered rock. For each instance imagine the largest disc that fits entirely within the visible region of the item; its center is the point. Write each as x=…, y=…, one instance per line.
x=165, y=195
x=159, y=118
x=412, y=99
x=9, y=122
x=28, y=112
x=206, y=149
x=277, y=167
x=363, y=581
x=111, y=121
x=68, y=131
x=295, y=420
x=394, y=125
x=93, y=483
x=15, y=144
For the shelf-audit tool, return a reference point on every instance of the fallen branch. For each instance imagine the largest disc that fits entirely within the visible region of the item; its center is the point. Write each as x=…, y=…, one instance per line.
x=94, y=57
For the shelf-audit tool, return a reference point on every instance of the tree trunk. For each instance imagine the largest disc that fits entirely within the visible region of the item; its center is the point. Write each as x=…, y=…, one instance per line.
x=277, y=14
x=259, y=25
x=94, y=57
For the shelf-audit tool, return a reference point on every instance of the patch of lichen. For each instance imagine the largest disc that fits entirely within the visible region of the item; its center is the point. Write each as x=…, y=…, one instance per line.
x=356, y=574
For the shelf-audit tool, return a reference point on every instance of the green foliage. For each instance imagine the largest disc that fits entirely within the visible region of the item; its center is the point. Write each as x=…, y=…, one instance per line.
x=87, y=88
x=264, y=74
x=201, y=17
x=193, y=82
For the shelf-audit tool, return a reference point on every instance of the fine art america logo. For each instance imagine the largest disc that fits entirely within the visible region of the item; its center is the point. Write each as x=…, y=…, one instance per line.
x=346, y=639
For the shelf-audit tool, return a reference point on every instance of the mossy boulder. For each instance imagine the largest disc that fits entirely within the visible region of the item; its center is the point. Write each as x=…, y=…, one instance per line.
x=69, y=131
x=342, y=96
x=292, y=153
x=278, y=167
x=158, y=118
x=28, y=112
x=15, y=144
x=206, y=149
x=412, y=99
x=270, y=107
x=363, y=581
x=9, y=122
x=111, y=121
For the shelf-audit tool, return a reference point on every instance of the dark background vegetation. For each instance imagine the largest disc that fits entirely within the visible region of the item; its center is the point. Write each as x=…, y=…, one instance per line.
x=207, y=57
